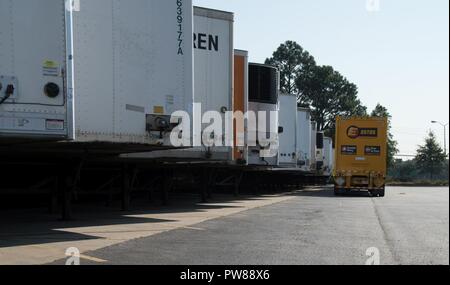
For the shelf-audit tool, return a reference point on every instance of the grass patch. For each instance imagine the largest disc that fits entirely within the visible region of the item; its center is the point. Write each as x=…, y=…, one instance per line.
x=419, y=183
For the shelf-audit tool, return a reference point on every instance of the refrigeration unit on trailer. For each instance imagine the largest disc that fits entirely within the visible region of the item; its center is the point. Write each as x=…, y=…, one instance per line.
x=109, y=72
x=313, y=150
x=328, y=156
x=288, y=138
x=264, y=83
x=304, y=138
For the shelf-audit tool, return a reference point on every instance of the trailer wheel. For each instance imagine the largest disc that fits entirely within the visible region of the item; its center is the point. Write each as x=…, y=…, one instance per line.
x=378, y=193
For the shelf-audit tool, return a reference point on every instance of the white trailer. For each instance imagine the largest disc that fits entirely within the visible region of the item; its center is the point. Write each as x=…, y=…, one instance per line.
x=213, y=81
x=313, y=150
x=288, y=138
x=213, y=78
x=264, y=86
x=328, y=156
x=111, y=72
x=304, y=139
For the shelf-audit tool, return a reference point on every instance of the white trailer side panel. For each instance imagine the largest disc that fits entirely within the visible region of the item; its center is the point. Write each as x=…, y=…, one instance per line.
x=213, y=81
x=304, y=138
x=328, y=156
x=132, y=59
x=213, y=66
x=213, y=57
x=313, y=152
x=272, y=117
x=288, y=138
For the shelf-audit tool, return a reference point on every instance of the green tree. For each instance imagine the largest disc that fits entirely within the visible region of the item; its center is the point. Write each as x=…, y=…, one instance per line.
x=321, y=88
x=382, y=112
x=405, y=171
x=329, y=94
x=430, y=157
x=293, y=62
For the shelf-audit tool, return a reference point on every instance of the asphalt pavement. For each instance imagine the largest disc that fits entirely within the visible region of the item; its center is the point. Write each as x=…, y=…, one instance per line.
x=409, y=226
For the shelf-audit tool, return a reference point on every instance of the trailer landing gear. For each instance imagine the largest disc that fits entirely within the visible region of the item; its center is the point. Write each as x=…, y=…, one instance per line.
x=69, y=186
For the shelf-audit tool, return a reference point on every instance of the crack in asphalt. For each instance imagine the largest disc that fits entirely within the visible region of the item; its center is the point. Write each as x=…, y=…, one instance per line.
x=389, y=241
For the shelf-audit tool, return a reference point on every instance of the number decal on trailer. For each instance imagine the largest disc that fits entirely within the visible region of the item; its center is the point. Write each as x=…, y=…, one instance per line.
x=180, y=22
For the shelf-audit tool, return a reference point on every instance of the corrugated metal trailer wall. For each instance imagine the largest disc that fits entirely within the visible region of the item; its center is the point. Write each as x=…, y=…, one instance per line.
x=288, y=138
x=108, y=78
x=304, y=138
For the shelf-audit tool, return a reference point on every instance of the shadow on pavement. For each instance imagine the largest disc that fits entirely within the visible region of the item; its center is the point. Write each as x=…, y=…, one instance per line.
x=21, y=227
x=327, y=192
x=37, y=231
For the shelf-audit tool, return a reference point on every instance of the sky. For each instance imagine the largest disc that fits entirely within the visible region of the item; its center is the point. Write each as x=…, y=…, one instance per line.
x=396, y=51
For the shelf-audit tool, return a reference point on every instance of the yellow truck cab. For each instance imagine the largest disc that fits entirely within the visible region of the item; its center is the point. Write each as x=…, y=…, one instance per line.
x=361, y=155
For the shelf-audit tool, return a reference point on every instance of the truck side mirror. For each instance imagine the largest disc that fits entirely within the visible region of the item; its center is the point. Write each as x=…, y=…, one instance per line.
x=280, y=130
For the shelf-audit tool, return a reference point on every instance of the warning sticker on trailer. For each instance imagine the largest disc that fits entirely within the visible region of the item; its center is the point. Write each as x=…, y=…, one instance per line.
x=50, y=68
x=54, y=125
x=158, y=110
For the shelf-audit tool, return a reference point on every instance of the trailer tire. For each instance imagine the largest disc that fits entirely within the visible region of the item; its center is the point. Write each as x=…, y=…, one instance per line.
x=378, y=193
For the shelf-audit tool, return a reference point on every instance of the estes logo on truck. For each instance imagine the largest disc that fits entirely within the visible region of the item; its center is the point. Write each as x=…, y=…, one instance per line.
x=354, y=132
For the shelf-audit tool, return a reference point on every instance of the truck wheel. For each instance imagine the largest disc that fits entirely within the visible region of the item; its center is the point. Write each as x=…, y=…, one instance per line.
x=382, y=192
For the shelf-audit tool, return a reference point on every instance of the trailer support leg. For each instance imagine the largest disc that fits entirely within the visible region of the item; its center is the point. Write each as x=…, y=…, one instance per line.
x=126, y=187
x=110, y=197
x=54, y=196
x=204, y=185
x=212, y=175
x=67, y=200
x=150, y=193
x=68, y=192
x=237, y=183
x=167, y=185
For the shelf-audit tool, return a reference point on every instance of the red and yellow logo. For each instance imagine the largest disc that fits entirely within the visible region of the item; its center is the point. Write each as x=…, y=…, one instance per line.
x=353, y=132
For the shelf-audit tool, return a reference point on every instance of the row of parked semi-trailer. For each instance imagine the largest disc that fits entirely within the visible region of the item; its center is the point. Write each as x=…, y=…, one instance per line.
x=111, y=73
x=88, y=88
